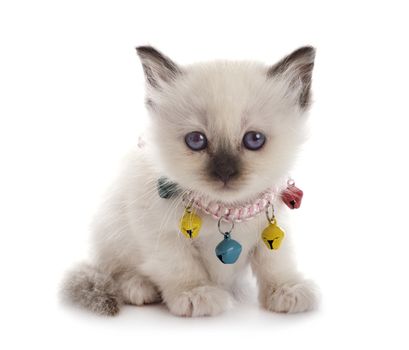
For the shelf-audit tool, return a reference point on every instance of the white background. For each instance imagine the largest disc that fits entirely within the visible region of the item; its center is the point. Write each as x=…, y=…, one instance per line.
x=72, y=104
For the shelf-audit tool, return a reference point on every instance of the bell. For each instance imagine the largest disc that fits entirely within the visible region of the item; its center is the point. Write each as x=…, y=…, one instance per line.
x=190, y=224
x=228, y=250
x=272, y=235
x=292, y=196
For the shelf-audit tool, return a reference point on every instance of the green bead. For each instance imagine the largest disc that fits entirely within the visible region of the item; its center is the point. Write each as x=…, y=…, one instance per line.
x=166, y=188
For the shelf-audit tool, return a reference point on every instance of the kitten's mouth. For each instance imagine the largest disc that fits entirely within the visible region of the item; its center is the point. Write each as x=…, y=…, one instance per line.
x=226, y=187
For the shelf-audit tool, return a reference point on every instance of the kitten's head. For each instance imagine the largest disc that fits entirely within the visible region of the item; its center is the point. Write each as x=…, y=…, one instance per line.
x=227, y=129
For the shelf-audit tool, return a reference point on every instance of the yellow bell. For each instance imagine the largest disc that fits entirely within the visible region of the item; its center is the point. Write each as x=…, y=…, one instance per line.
x=272, y=235
x=190, y=224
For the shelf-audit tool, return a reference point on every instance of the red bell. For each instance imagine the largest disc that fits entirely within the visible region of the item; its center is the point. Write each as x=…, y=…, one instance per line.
x=292, y=196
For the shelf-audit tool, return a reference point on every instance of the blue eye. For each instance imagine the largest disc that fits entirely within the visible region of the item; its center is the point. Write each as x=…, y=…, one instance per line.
x=254, y=140
x=196, y=141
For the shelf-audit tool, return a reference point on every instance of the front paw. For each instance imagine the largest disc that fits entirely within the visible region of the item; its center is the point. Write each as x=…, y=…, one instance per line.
x=291, y=297
x=199, y=301
x=139, y=291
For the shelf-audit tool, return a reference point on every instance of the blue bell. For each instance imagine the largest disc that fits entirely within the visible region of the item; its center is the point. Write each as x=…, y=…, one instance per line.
x=228, y=250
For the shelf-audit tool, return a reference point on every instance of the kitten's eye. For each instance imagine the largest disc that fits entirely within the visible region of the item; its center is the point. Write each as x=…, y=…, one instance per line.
x=196, y=141
x=254, y=140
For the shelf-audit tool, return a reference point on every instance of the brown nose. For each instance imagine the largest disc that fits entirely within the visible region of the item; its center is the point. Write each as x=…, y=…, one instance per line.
x=225, y=174
x=224, y=166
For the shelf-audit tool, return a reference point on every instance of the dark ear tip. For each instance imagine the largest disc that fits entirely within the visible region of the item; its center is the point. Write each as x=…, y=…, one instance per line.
x=307, y=49
x=145, y=50
x=157, y=66
x=301, y=57
x=305, y=52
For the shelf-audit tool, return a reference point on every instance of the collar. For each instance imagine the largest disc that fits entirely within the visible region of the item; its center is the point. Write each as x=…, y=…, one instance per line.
x=291, y=196
x=245, y=211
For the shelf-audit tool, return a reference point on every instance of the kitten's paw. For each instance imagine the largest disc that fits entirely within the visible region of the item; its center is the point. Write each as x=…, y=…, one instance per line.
x=200, y=301
x=291, y=297
x=139, y=291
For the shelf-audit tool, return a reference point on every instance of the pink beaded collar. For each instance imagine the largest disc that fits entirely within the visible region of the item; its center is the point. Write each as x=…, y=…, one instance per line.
x=291, y=196
x=238, y=213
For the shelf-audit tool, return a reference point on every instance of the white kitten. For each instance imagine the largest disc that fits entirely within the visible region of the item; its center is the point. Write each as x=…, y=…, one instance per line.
x=223, y=132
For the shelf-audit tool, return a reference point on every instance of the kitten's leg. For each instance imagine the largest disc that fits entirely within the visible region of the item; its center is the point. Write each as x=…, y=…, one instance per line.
x=281, y=287
x=177, y=269
x=137, y=290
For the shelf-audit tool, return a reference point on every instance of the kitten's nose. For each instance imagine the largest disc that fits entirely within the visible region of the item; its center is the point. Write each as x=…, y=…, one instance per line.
x=224, y=166
x=225, y=174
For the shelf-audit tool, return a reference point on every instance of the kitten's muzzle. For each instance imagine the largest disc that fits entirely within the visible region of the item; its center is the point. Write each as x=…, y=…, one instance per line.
x=224, y=167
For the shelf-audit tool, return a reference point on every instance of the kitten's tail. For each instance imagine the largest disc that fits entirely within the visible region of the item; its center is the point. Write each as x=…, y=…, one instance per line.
x=89, y=287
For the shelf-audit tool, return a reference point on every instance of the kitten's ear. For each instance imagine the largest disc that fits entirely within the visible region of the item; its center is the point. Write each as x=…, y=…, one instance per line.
x=296, y=69
x=157, y=67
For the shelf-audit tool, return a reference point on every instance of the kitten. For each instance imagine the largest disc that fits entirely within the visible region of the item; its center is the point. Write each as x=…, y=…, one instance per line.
x=223, y=132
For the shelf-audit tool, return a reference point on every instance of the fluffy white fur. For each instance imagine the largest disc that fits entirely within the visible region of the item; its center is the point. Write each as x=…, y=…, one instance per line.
x=136, y=240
